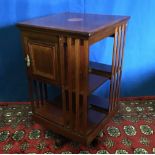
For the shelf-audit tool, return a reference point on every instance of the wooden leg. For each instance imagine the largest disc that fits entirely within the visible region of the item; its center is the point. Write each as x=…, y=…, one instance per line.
x=41, y=93
x=95, y=142
x=85, y=83
x=36, y=94
x=63, y=74
x=77, y=84
x=60, y=141
x=70, y=79
x=31, y=95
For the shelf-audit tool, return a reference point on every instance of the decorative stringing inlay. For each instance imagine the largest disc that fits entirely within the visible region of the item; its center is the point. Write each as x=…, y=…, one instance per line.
x=74, y=19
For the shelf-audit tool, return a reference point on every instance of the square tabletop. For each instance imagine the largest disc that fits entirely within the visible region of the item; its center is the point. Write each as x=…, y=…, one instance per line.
x=75, y=22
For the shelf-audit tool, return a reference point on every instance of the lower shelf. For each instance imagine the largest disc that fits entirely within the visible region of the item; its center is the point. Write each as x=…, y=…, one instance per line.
x=51, y=112
x=54, y=113
x=100, y=69
x=99, y=103
x=85, y=139
x=94, y=118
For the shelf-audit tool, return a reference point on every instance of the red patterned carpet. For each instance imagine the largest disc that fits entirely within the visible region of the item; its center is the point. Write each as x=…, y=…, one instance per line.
x=132, y=130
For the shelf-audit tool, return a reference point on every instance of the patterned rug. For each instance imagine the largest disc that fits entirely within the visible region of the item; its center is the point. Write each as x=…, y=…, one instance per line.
x=132, y=130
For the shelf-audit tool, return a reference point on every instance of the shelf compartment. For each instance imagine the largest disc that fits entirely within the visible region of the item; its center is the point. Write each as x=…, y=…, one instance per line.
x=95, y=125
x=99, y=103
x=100, y=69
x=52, y=112
x=94, y=118
x=95, y=81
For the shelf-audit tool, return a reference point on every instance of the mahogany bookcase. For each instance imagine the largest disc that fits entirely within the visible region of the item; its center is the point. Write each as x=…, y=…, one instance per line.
x=57, y=54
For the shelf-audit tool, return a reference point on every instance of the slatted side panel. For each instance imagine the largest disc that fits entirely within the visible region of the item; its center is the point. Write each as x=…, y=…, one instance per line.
x=117, y=60
x=38, y=93
x=122, y=53
x=74, y=80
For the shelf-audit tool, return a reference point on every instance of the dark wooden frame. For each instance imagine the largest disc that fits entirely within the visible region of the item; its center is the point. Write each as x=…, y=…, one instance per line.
x=73, y=116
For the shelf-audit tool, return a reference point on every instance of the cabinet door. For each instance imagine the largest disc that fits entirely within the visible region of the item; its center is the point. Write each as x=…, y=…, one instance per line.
x=42, y=57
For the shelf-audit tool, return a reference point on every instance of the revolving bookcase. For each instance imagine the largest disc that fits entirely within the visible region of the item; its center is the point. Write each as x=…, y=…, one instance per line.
x=57, y=54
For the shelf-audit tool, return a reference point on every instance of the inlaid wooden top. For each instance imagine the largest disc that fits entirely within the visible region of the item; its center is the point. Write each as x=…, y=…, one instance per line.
x=75, y=22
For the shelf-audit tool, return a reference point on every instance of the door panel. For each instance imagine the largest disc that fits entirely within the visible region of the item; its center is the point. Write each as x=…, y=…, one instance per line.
x=43, y=53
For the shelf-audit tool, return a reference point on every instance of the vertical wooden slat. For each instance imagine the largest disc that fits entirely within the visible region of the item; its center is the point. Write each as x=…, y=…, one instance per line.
x=45, y=92
x=119, y=66
x=77, y=81
x=122, y=53
x=62, y=66
x=31, y=94
x=116, y=74
x=124, y=38
x=41, y=93
x=121, y=48
x=69, y=77
x=36, y=94
x=113, y=69
x=85, y=83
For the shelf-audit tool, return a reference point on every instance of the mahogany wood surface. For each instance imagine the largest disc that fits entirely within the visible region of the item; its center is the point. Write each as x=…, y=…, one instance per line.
x=86, y=24
x=100, y=69
x=56, y=49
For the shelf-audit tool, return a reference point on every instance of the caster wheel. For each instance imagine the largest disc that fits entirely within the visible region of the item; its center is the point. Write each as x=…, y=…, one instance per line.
x=94, y=143
x=60, y=141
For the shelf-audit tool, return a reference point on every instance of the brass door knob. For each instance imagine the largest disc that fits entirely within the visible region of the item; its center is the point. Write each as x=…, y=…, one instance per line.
x=28, y=61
